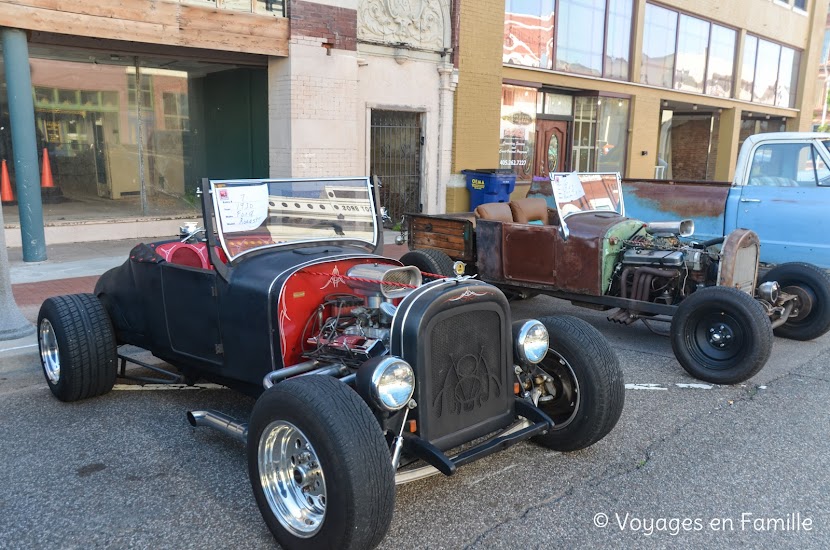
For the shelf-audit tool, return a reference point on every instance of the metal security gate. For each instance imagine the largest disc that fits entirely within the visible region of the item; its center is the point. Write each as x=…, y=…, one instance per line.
x=395, y=158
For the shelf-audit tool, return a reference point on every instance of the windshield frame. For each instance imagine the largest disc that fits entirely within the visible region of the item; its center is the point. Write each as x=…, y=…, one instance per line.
x=213, y=219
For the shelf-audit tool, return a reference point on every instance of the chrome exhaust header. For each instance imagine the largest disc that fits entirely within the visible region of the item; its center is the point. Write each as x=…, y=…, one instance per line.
x=220, y=422
x=682, y=228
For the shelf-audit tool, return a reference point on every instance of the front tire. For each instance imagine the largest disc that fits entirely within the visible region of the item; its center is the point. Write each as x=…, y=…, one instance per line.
x=319, y=466
x=812, y=286
x=78, y=351
x=590, y=389
x=721, y=335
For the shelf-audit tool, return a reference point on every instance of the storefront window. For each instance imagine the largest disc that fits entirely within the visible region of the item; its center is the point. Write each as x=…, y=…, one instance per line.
x=557, y=104
x=128, y=137
x=600, y=134
x=659, y=34
x=688, y=146
x=692, y=43
x=528, y=32
x=518, y=130
x=612, y=135
x=721, y=62
x=584, y=134
x=751, y=126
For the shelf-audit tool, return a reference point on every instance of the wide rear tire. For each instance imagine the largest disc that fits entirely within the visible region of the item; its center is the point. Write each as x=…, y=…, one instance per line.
x=721, y=335
x=589, y=382
x=78, y=351
x=319, y=466
x=812, y=286
x=429, y=260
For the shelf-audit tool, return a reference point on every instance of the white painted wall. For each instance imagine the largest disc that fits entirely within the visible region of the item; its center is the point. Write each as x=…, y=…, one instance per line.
x=312, y=99
x=383, y=83
x=320, y=101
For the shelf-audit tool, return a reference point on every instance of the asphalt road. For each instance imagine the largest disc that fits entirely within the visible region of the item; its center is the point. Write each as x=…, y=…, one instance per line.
x=688, y=466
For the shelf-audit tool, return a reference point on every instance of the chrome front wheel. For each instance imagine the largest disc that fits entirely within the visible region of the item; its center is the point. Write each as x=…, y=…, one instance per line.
x=78, y=349
x=49, y=352
x=320, y=466
x=292, y=479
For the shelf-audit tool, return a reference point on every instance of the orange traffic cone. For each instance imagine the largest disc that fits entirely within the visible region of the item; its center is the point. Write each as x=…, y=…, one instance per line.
x=6, y=194
x=46, y=175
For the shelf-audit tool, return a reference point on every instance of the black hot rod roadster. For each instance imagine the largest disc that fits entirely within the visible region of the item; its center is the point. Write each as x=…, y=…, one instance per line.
x=364, y=375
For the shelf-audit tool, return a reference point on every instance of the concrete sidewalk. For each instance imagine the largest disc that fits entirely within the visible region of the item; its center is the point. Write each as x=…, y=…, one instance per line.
x=75, y=267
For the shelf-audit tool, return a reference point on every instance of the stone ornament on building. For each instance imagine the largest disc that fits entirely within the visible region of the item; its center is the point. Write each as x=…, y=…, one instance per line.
x=414, y=23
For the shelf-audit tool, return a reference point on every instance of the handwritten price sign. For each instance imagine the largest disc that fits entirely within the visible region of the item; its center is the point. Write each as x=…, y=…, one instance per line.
x=567, y=188
x=243, y=207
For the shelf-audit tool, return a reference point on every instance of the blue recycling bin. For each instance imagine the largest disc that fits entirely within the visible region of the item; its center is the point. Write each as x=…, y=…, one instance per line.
x=489, y=185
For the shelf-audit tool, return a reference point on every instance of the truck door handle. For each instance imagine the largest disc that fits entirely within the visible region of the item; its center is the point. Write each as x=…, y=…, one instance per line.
x=750, y=200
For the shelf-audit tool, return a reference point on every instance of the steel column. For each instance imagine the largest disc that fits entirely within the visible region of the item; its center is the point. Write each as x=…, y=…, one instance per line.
x=24, y=142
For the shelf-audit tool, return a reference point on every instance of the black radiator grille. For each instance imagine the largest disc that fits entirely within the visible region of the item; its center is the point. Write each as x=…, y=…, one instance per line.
x=467, y=377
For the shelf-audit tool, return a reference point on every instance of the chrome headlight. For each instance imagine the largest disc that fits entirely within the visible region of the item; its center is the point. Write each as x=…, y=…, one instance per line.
x=769, y=291
x=530, y=341
x=392, y=383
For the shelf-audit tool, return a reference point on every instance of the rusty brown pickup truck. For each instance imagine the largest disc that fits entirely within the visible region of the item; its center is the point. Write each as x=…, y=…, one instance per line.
x=586, y=251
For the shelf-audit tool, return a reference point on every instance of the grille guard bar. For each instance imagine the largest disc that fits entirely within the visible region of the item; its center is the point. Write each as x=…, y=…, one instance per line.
x=540, y=423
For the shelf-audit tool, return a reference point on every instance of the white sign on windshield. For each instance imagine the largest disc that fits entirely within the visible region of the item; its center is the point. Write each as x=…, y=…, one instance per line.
x=242, y=207
x=567, y=188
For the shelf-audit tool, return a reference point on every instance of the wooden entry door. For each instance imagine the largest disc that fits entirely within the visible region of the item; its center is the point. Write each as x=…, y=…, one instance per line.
x=551, y=147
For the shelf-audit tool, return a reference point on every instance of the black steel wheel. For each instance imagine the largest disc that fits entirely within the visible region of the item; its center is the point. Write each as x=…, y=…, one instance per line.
x=586, y=393
x=721, y=335
x=811, y=284
x=78, y=351
x=429, y=260
x=319, y=466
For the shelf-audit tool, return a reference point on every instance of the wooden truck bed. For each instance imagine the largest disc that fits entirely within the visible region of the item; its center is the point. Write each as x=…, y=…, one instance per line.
x=453, y=234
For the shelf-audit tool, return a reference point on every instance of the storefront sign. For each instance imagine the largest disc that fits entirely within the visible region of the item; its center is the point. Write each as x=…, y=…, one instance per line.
x=522, y=119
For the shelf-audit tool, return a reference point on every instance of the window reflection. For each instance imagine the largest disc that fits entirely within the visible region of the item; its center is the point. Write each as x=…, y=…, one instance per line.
x=528, y=32
x=618, y=39
x=721, y=62
x=766, y=72
x=659, y=33
x=587, y=26
x=692, y=42
x=769, y=72
x=580, y=36
x=787, y=75
x=748, y=68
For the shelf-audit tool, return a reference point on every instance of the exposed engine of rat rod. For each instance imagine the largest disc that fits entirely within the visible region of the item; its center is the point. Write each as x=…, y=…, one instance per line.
x=656, y=266
x=659, y=264
x=351, y=328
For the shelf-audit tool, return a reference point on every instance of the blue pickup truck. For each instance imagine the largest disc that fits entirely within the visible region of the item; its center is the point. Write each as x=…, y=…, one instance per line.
x=781, y=191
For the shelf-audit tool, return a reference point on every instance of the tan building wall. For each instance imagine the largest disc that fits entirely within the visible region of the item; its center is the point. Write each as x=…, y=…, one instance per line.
x=482, y=74
x=478, y=96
